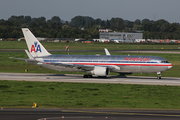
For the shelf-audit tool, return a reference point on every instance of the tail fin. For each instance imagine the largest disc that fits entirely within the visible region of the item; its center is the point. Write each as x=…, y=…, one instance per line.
x=34, y=46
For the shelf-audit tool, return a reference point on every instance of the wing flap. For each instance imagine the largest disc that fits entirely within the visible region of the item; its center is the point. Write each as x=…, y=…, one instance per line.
x=85, y=67
x=82, y=67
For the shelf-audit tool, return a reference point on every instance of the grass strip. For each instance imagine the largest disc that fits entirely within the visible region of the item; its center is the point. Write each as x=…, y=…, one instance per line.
x=88, y=95
x=91, y=46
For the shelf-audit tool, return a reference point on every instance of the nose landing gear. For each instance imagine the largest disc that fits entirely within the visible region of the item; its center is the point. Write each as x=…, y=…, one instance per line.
x=159, y=75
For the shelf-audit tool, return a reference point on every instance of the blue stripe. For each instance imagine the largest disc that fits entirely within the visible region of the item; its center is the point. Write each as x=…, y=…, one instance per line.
x=99, y=61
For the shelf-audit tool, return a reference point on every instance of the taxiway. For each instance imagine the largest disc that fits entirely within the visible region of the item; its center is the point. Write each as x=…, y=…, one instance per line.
x=87, y=114
x=79, y=78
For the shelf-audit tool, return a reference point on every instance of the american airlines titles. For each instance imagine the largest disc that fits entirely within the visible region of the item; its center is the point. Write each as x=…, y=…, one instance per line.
x=35, y=47
x=137, y=59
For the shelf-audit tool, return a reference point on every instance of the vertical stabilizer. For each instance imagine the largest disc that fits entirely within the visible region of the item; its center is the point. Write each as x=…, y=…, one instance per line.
x=34, y=46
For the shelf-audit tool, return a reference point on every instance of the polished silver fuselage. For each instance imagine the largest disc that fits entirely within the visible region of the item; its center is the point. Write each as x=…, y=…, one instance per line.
x=126, y=64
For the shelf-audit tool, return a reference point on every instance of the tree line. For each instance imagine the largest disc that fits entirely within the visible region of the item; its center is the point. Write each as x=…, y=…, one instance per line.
x=86, y=27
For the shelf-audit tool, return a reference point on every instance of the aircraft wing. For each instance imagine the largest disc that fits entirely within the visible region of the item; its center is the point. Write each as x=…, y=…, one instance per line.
x=83, y=67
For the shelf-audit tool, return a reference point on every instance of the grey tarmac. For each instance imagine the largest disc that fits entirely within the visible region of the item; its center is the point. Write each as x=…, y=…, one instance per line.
x=144, y=80
x=87, y=114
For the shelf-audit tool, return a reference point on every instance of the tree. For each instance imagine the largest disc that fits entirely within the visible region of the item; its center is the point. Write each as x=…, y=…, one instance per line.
x=77, y=21
x=87, y=25
x=113, y=24
x=146, y=25
x=55, y=28
x=66, y=27
x=80, y=21
x=120, y=24
x=102, y=24
x=56, y=20
x=41, y=19
x=137, y=22
x=138, y=27
x=27, y=19
x=128, y=24
x=95, y=33
x=107, y=24
x=174, y=27
x=146, y=21
x=97, y=21
x=160, y=26
x=16, y=18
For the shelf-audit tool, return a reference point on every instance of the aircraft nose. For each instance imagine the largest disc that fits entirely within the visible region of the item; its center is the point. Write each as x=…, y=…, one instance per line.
x=169, y=67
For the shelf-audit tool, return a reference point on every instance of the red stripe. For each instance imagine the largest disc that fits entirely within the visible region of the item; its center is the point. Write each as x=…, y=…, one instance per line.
x=124, y=64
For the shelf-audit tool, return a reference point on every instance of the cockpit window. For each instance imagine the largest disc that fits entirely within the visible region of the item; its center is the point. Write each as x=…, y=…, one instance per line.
x=164, y=62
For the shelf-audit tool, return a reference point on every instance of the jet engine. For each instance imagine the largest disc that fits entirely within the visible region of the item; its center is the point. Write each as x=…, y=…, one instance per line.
x=100, y=71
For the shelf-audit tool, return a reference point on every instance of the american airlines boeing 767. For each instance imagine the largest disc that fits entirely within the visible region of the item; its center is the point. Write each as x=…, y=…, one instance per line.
x=99, y=65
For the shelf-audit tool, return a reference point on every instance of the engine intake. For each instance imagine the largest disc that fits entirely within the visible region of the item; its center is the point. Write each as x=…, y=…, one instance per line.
x=100, y=71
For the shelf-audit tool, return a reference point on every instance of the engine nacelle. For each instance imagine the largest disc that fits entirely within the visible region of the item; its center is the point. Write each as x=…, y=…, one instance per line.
x=100, y=71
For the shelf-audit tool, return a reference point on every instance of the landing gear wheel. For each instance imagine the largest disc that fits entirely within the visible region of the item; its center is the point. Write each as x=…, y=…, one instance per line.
x=87, y=76
x=159, y=77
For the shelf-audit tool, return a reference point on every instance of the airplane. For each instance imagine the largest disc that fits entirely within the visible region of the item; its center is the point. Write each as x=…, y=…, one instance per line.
x=98, y=65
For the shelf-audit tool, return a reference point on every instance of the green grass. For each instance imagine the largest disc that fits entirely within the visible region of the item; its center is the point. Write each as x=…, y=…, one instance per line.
x=88, y=95
x=91, y=46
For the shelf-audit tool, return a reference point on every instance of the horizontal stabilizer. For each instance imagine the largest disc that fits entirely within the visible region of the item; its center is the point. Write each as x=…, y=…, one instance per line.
x=17, y=58
x=29, y=55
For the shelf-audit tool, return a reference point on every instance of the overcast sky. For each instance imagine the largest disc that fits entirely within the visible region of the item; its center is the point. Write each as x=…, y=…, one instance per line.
x=103, y=9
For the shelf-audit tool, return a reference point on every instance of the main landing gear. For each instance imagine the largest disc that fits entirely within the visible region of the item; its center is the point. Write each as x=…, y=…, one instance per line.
x=159, y=75
x=87, y=76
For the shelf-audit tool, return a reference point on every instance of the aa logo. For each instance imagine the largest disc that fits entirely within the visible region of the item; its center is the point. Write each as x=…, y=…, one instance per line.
x=35, y=47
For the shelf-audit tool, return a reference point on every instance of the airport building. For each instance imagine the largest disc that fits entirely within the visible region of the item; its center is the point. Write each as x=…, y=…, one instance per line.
x=120, y=36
